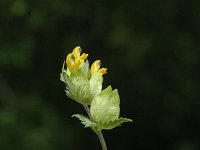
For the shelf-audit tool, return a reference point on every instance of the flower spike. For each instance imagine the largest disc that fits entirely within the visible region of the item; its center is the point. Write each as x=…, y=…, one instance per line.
x=84, y=85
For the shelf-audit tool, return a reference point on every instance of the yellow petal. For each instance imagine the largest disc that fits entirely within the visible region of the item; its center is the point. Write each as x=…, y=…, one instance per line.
x=76, y=52
x=74, y=59
x=77, y=63
x=69, y=61
x=103, y=71
x=95, y=66
x=84, y=56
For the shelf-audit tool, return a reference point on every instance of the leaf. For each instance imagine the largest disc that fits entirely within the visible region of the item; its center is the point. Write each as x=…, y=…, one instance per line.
x=96, y=81
x=87, y=122
x=63, y=73
x=85, y=68
x=84, y=120
x=105, y=106
x=82, y=93
x=115, y=123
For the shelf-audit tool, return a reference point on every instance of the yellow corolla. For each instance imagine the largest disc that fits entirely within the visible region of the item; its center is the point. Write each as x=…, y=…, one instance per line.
x=75, y=59
x=96, y=68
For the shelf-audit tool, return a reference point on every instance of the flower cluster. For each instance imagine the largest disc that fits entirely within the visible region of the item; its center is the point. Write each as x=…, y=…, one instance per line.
x=84, y=85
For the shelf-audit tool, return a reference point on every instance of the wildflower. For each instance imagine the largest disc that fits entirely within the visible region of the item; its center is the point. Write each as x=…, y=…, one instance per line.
x=84, y=85
x=82, y=82
x=96, y=68
x=74, y=59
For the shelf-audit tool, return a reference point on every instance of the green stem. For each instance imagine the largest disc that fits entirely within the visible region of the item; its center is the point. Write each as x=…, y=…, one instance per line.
x=99, y=133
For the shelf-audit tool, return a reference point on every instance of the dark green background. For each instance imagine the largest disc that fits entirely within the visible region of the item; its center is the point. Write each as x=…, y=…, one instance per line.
x=150, y=47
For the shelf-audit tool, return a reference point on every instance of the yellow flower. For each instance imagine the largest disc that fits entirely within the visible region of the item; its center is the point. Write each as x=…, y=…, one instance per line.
x=83, y=82
x=75, y=59
x=96, y=68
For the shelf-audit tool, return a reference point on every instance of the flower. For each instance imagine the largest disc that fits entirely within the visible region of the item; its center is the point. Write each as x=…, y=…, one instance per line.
x=96, y=68
x=82, y=82
x=74, y=59
x=84, y=85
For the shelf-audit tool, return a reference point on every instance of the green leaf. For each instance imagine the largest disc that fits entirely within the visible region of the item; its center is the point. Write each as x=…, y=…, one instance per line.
x=84, y=120
x=87, y=122
x=81, y=87
x=114, y=123
x=85, y=68
x=105, y=106
x=96, y=81
x=69, y=84
x=63, y=73
x=77, y=83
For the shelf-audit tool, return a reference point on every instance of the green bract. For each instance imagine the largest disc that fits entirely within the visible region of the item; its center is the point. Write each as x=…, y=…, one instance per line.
x=105, y=106
x=80, y=85
x=105, y=109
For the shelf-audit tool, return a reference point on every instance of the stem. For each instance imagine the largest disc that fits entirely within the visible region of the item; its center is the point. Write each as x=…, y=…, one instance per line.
x=102, y=141
x=99, y=133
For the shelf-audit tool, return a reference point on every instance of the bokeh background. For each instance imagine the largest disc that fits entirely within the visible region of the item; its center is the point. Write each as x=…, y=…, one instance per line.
x=151, y=50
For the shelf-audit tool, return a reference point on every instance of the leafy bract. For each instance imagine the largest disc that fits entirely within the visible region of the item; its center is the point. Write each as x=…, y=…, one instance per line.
x=105, y=106
x=81, y=87
x=105, y=110
x=87, y=122
x=84, y=120
x=114, y=123
x=85, y=68
x=96, y=81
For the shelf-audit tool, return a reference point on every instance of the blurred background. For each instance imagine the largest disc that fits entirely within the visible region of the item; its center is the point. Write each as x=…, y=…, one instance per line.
x=151, y=50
